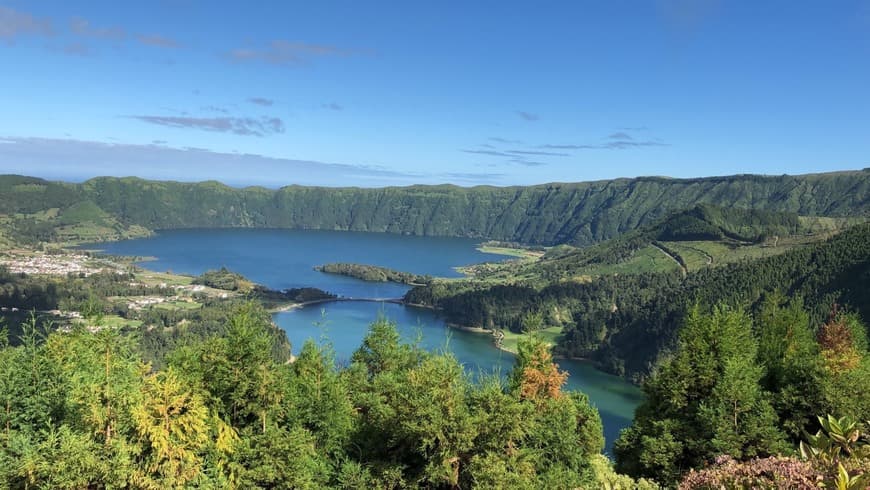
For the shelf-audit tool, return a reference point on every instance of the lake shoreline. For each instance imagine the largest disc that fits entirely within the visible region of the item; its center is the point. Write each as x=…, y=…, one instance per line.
x=451, y=325
x=487, y=331
x=284, y=259
x=296, y=306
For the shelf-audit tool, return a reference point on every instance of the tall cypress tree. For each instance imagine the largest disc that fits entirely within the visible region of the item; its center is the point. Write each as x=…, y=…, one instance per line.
x=703, y=401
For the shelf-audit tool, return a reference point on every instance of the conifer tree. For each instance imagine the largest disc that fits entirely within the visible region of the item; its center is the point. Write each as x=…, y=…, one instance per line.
x=694, y=399
x=173, y=424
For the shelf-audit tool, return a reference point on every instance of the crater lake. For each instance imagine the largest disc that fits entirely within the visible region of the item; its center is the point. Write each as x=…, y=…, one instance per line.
x=281, y=259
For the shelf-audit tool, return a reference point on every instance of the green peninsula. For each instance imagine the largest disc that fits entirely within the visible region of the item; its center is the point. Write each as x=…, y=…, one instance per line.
x=374, y=273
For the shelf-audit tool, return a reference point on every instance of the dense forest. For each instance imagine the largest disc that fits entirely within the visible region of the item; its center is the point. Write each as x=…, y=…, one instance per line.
x=733, y=407
x=82, y=410
x=625, y=322
x=740, y=391
x=579, y=213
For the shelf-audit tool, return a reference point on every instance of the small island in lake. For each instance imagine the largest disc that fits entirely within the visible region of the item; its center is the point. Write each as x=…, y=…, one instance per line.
x=228, y=280
x=374, y=273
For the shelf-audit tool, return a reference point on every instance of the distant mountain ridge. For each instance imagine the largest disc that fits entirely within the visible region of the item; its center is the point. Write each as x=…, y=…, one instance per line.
x=574, y=213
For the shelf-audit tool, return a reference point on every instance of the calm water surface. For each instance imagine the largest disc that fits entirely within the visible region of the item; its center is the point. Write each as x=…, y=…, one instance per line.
x=285, y=259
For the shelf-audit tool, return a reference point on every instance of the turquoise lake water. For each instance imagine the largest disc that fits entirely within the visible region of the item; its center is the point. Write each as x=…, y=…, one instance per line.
x=285, y=259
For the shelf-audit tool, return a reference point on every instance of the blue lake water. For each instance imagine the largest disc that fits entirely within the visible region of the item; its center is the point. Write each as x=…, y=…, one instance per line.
x=285, y=259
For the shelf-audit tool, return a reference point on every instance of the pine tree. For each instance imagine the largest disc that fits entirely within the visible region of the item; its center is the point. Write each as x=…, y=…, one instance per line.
x=794, y=373
x=321, y=403
x=173, y=423
x=702, y=401
x=739, y=413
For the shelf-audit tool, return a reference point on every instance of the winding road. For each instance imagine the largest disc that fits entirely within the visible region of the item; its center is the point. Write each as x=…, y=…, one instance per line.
x=672, y=257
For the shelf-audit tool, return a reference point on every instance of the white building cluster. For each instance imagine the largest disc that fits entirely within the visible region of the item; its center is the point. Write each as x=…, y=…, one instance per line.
x=49, y=264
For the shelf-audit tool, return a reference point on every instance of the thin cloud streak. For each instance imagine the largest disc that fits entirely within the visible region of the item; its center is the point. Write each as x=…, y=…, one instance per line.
x=538, y=153
x=623, y=145
x=213, y=108
x=284, y=53
x=517, y=156
x=620, y=136
x=244, y=126
x=528, y=116
x=505, y=141
x=527, y=163
x=158, y=41
x=79, y=159
x=610, y=145
x=686, y=16
x=491, y=153
x=620, y=140
x=564, y=147
x=14, y=23
x=261, y=101
x=82, y=27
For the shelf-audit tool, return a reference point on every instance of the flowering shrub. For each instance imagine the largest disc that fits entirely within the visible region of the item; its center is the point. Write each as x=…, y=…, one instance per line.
x=765, y=473
x=837, y=456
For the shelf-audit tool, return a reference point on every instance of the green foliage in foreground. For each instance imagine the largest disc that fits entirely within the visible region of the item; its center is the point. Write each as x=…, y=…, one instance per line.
x=80, y=410
x=748, y=389
x=732, y=402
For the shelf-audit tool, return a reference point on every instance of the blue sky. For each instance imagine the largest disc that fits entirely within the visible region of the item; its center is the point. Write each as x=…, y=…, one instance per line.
x=395, y=93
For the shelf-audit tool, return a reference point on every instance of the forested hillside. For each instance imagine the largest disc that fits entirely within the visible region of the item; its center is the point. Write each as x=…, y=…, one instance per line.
x=577, y=213
x=626, y=321
x=704, y=235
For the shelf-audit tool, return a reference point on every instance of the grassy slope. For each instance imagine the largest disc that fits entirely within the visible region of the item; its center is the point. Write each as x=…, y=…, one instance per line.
x=670, y=245
x=548, y=335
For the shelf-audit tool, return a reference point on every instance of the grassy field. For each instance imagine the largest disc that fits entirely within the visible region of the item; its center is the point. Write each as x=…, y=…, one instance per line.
x=115, y=321
x=695, y=258
x=549, y=335
x=522, y=253
x=80, y=223
x=647, y=259
x=700, y=254
x=151, y=278
x=178, y=305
